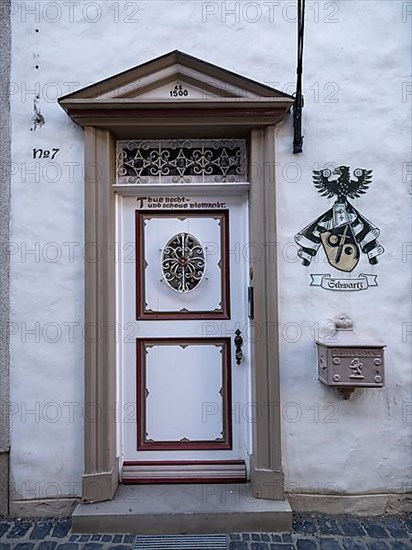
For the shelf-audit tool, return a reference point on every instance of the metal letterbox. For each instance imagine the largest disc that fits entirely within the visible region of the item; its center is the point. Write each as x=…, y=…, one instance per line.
x=347, y=361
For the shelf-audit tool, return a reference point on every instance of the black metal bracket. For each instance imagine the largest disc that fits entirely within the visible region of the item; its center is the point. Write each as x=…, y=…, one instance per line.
x=251, y=302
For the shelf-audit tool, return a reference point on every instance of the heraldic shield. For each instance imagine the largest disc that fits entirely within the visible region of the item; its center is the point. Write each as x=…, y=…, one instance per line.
x=341, y=248
x=342, y=230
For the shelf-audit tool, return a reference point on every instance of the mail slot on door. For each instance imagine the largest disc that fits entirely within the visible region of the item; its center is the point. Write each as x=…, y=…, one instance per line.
x=347, y=361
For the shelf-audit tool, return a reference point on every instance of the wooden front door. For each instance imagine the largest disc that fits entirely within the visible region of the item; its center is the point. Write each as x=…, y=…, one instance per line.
x=182, y=297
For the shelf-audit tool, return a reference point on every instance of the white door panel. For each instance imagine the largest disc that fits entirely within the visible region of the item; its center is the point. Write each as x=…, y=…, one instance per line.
x=177, y=380
x=158, y=295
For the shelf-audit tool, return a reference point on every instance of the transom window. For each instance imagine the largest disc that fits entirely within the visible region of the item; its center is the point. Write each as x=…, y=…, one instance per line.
x=181, y=161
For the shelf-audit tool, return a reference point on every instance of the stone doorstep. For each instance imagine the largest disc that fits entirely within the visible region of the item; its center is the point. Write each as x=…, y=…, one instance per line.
x=174, y=509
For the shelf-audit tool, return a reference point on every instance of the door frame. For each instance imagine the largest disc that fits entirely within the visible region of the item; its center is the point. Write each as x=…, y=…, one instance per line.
x=101, y=468
x=227, y=105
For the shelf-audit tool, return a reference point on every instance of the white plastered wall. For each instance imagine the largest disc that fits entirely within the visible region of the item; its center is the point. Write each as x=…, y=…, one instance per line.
x=357, y=113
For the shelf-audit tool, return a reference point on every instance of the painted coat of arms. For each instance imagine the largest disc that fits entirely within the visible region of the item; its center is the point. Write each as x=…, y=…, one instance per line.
x=342, y=231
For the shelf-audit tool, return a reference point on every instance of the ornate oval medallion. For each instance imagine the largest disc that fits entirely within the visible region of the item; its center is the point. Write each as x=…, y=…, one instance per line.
x=183, y=262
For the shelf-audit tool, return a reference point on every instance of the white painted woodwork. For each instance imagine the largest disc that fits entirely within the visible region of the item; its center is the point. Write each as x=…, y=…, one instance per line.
x=179, y=382
x=184, y=384
x=159, y=296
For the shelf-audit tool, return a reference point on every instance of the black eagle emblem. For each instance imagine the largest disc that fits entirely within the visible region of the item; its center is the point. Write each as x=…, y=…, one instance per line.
x=342, y=186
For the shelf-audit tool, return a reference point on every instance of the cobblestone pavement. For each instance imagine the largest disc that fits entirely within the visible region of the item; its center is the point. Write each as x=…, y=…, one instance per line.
x=310, y=532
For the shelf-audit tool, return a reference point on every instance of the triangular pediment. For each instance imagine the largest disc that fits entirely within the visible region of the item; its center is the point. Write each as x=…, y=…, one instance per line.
x=175, y=77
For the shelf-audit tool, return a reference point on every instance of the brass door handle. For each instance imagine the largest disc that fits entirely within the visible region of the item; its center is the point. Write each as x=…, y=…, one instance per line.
x=238, y=347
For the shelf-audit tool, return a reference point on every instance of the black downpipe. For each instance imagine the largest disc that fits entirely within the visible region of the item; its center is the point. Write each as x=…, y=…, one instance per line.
x=298, y=105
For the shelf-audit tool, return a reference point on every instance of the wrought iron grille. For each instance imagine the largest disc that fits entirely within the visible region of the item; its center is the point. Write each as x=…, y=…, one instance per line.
x=183, y=262
x=181, y=161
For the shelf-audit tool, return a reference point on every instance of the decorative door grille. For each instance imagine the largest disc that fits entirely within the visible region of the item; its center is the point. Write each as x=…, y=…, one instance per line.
x=181, y=161
x=183, y=262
